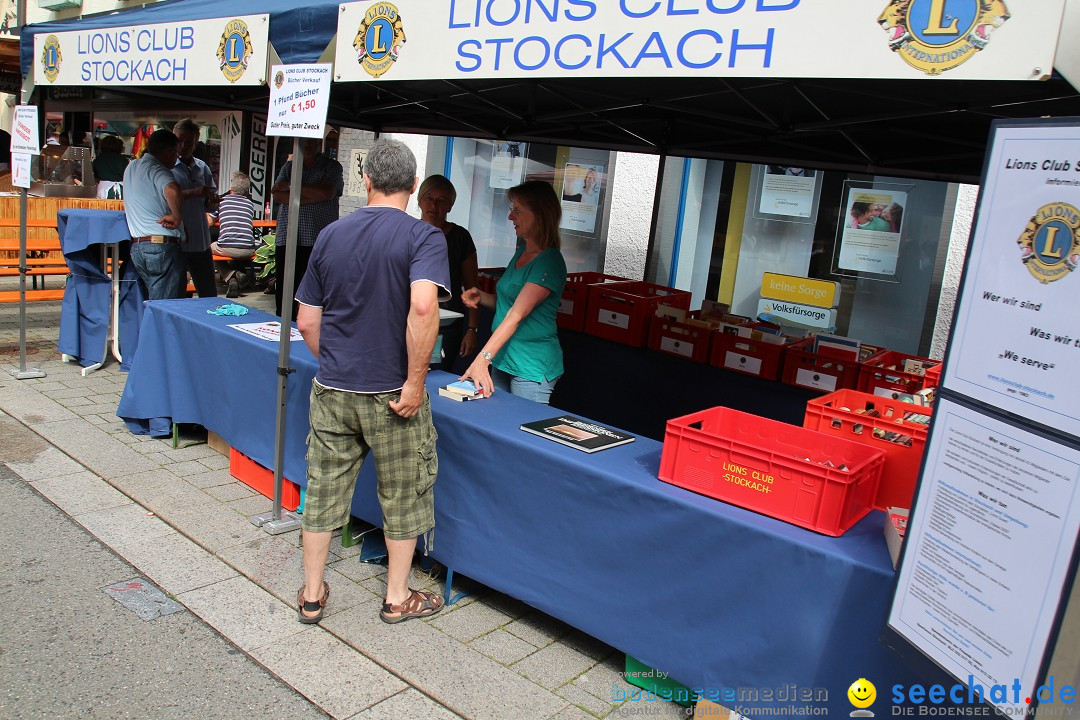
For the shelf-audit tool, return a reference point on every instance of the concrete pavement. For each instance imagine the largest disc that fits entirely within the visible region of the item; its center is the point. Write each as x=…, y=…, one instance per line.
x=181, y=521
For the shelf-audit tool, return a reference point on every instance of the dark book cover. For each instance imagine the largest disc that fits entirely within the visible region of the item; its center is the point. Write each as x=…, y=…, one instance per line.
x=577, y=433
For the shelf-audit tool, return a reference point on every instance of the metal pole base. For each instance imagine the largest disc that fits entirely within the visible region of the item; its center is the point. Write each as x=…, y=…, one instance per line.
x=27, y=374
x=287, y=523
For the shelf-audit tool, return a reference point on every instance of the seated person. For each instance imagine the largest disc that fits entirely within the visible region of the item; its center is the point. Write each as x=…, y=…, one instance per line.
x=236, y=236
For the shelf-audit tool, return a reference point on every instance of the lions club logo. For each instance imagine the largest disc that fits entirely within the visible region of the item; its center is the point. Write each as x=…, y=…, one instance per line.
x=234, y=50
x=51, y=58
x=378, y=43
x=1050, y=245
x=938, y=35
x=279, y=79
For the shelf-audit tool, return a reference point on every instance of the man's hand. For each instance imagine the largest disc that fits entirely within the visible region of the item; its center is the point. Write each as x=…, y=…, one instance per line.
x=170, y=221
x=412, y=397
x=471, y=298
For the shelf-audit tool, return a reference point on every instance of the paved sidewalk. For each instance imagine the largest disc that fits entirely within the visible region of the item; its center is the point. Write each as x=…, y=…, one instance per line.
x=181, y=520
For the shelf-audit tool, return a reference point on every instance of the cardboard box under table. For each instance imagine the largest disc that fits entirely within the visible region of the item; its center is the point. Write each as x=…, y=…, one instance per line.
x=575, y=298
x=898, y=429
x=620, y=311
x=816, y=481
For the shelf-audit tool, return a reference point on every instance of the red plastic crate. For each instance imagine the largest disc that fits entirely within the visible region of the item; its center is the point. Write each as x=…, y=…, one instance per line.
x=883, y=371
x=575, y=298
x=261, y=480
x=753, y=357
x=681, y=339
x=839, y=414
x=932, y=378
x=772, y=468
x=487, y=278
x=620, y=311
x=816, y=371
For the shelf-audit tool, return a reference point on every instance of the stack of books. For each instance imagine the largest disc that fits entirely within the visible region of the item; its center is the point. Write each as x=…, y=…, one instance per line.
x=461, y=391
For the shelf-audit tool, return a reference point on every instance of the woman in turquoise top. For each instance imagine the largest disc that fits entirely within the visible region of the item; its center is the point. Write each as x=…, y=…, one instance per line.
x=524, y=345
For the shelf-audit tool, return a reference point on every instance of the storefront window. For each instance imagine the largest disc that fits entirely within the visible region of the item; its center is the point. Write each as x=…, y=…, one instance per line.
x=482, y=171
x=884, y=239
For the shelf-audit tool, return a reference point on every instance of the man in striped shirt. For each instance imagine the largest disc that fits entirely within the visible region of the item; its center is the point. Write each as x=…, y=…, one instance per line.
x=236, y=238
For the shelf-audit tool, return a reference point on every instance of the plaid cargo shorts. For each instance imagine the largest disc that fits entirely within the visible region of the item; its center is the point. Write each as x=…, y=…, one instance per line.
x=344, y=427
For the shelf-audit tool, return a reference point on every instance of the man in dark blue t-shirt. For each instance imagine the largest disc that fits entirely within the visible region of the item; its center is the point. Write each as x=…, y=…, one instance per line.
x=369, y=312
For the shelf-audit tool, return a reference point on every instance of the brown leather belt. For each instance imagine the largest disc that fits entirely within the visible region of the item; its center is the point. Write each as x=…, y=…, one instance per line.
x=157, y=239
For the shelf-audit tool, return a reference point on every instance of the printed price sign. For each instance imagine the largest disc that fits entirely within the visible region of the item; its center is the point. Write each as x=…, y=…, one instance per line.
x=299, y=98
x=24, y=131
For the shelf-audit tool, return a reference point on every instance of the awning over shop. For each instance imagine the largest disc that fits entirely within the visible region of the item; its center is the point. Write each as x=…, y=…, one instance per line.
x=428, y=66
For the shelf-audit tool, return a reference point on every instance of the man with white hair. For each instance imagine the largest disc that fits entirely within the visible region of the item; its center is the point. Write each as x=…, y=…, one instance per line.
x=236, y=234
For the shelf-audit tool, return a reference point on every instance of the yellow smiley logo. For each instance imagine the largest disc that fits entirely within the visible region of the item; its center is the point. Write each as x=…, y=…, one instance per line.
x=862, y=693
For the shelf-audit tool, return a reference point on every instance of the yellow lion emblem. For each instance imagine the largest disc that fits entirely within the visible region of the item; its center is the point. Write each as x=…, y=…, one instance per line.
x=943, y=38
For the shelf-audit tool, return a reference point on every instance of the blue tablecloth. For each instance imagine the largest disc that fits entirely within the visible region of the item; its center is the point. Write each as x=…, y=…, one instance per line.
x=719, y=597
x=85, y=311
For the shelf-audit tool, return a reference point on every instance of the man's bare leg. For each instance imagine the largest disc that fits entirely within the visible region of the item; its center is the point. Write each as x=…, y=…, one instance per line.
x=316, y=550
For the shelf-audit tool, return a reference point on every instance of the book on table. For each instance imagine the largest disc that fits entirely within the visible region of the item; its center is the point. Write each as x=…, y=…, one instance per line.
x=461, y=391
x=577, y=433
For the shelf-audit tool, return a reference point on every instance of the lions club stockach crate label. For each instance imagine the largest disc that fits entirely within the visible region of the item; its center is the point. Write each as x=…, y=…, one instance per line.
x=816, y=481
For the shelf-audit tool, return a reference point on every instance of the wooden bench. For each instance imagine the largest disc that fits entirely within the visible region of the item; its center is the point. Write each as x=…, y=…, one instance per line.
x=43, y=258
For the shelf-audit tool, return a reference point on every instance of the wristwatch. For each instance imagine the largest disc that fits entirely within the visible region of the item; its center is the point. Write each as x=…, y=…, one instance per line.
x=486, y=355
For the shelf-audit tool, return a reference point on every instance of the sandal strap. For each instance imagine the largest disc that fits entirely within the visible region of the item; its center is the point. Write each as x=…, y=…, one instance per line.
x=419, y=601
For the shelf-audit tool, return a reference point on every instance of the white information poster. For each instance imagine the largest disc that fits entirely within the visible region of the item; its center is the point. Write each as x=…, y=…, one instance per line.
x=299, y=99
x=989, y=552
x=1016, y=338
x=870, y=241
x=507, y=164
x=25, y=139
x=20, y=170
x=787, y=191
x=581, y=196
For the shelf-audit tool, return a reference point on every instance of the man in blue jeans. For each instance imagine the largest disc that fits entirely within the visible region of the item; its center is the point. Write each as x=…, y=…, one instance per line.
x=152, y=206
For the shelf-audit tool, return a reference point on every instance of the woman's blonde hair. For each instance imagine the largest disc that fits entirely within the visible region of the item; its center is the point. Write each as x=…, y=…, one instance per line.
x=541, y=199
x=436, y=182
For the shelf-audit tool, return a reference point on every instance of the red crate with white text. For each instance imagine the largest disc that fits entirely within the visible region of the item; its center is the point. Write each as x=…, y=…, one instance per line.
x=816, y=371
x=887, y=372
x=680, y=338
x=752, y=356
x=620, y=311
x=575, y=298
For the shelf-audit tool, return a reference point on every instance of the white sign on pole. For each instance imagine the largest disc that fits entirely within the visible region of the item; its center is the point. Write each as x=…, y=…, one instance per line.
x=221, y=51
x=422, y=40
x=1015, y=340
x=20, y=170
x=24, y=131
x=299, y=98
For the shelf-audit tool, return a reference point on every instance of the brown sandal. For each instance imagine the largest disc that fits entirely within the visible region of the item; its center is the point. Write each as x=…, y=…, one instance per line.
x=419, y=604
x=303, y=605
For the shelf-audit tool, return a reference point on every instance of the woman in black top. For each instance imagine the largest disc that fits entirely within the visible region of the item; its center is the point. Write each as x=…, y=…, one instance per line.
x=436, y=198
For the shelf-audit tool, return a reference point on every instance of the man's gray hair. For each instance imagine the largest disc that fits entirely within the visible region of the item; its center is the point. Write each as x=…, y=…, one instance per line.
x=240, y=183
x=186, y=125
x=391, y=167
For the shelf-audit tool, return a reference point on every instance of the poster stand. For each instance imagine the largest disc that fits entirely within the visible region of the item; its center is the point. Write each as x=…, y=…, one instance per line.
x=990, y=557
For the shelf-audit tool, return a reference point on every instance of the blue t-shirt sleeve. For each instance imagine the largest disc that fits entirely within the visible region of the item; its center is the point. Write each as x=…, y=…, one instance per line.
x=429, y=261
x=310, y=291
x=162, y=177
x=548, y=270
